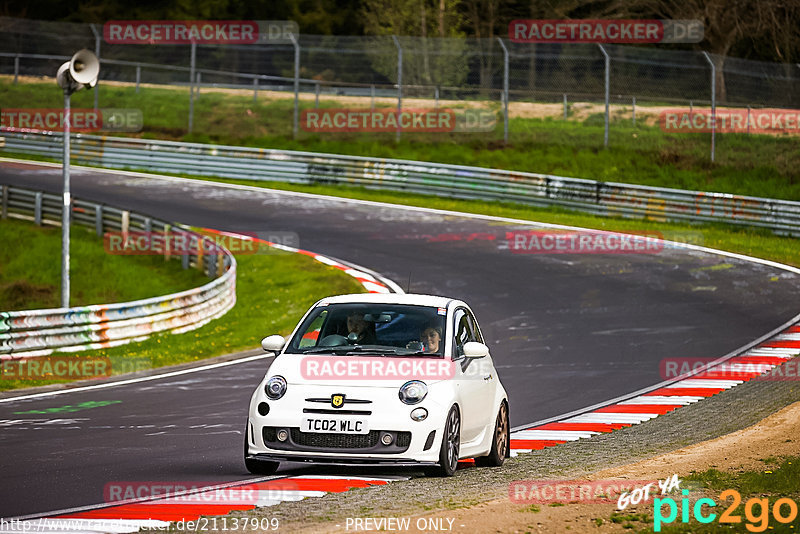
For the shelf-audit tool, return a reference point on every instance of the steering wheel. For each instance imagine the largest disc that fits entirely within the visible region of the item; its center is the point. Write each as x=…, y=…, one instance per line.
x=334, y=340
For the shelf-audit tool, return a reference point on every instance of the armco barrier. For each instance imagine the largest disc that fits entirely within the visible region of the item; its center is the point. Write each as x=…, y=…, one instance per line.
x=458, y=181
x=40, y=332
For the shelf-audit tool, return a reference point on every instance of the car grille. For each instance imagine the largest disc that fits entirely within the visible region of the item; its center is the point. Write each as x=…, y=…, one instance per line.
x=403, y=439
x=336, y=441
x=311, y=441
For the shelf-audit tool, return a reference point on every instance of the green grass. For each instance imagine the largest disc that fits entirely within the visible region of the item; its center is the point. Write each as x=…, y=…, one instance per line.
x=773, y=482
x=273, y=291
x=751, y=165
x=30, y=270
x=778, y=477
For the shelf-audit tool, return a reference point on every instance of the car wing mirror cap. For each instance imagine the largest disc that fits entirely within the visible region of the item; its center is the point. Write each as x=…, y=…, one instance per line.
x=473, y=349
x=273, y=343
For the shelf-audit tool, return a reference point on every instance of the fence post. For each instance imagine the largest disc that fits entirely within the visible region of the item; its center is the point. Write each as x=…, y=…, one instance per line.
x=255, y=90
x=16, y=68
x=96, y=53
x=608, y=88
x=199, y=81
x=436, y=97
x=185, y=259
x=748, y=119
x=98, y=220
x=138, y=77
x=316, y=96
x=372, y=97
x=713, y=103
x=191, y=86
x=505, y=90
x=634, y=111
x=166, y=242
x=37, y=209
x=296, y=83
x=125, y=224
x=399, y=82
x=565, y=106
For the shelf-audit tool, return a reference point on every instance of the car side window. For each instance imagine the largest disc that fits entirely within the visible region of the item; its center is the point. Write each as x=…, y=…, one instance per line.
x=473, y=326
x=463, y=331
x=311, y=337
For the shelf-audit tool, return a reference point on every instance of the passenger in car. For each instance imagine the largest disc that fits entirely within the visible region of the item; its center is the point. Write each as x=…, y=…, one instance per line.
x=432, y=337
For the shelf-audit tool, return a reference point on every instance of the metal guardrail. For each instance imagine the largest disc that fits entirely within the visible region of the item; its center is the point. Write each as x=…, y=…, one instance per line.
x=456, y=181
x=39, y=332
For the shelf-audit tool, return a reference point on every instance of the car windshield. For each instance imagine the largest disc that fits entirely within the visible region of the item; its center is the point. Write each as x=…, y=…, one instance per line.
x=381, y=329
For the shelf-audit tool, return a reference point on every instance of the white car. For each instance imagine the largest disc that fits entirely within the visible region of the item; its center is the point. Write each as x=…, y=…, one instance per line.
x=380, y=379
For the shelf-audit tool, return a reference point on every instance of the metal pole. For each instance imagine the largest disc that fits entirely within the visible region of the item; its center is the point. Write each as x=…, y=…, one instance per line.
x=713, y=104
x=296, y=84
x=191, y=86
x=399, y=83
x=372, y=97
x=255, y=90
x=634, y=111
x=436, y=97
x=505, y=90
x=199, y=81
x=748, y=119
x=97, y=53
x=608, y=88
x=65, y=208
x=138, y=77
x=316, y=96
x=16, y=68
x=565, y=106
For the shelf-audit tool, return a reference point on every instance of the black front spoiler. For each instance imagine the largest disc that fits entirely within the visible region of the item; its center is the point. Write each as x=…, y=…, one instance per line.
x=328, y=460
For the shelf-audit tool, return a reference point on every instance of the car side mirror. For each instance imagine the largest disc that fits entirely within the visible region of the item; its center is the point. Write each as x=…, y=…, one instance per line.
x=473, y=349
x=273, y=343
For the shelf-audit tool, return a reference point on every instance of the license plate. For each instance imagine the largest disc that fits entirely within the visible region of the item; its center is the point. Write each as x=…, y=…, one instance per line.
x=334, y=425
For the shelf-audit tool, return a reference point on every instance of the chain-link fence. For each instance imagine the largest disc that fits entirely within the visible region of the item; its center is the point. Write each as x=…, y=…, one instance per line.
x=614, y=81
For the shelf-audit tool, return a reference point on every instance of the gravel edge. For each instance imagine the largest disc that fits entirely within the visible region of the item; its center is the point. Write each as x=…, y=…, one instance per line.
x=731, y=410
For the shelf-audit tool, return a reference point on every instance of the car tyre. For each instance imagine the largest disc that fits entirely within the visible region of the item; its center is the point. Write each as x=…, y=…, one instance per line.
x=500, y=441
x=451, y=446
x=258, y=467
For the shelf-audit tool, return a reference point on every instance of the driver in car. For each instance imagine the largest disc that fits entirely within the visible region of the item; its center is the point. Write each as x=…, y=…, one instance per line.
x=361, y=328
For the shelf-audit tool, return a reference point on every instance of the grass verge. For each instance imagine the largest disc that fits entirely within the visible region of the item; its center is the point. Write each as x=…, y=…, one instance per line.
x=272, y=290
x=30, y=270
x=758, y=165
x=754, y=508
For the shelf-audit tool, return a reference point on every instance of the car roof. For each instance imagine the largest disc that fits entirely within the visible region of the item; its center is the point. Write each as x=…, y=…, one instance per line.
x=392, y=298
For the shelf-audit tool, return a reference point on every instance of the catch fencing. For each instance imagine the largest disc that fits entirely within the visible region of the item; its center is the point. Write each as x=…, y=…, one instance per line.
x=455, y=181
x=494, y=71
x=39, y=332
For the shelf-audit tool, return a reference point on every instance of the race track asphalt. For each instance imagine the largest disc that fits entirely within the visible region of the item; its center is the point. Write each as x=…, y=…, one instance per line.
x=566, y=330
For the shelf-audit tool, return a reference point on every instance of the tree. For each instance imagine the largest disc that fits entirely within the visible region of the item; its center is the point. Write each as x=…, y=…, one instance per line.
x=435, y=57
x=727, y=23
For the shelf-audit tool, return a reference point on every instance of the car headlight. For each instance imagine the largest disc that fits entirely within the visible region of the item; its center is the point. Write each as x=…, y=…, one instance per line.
x=276, y=387
x=413, y=392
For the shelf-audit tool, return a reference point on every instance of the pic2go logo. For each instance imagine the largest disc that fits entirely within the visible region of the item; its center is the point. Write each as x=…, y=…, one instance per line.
x=757, y=523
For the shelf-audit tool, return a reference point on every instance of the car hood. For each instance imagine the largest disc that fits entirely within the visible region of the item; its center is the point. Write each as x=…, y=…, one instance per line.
x=360, y=371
